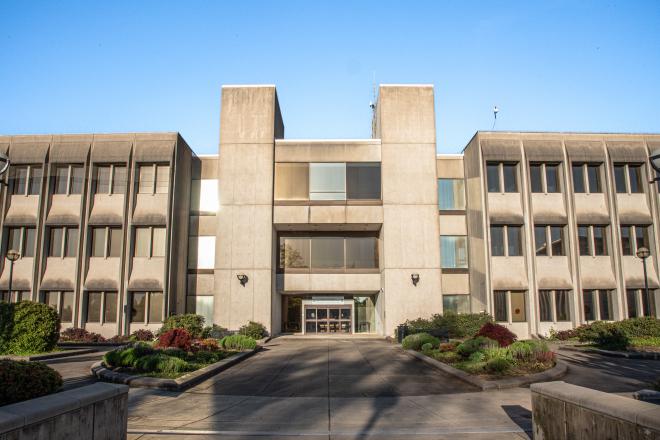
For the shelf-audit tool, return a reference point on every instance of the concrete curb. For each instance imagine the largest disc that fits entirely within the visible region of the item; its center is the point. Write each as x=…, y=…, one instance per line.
x=619, y=354
x=184, y=382
x=47, y=356
x=554, y=373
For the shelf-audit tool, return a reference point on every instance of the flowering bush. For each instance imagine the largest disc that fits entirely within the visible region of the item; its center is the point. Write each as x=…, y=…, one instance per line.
x=497, y=332
x=75, y=334
x=175, y=338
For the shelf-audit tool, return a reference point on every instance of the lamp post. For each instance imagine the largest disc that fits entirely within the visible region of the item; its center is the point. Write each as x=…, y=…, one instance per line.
x=12, y=256
x=643, y=253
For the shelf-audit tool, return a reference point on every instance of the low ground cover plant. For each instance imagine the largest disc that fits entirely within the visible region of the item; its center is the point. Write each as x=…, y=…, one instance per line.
x=27, y=328
x=22, y=380
x=636, y=333
x=416, y=341
x=238, y=342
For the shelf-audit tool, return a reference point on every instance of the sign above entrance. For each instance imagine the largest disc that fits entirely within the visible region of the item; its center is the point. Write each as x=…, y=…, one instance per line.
x=327, y=300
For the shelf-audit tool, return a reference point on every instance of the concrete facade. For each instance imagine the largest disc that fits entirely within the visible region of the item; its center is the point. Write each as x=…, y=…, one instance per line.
x=339, y=236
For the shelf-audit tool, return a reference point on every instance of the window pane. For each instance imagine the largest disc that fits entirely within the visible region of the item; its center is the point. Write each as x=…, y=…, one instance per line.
x=557, y=240
x=291, y=181
x=600, y=240
x=205, y=252
x=13, y=240
x=94, y=306
x=142, y=242
x=71, y=242
x=578, y=178
x=518, y=313
x=541, y=240
x=327, y=181
x=510, y=178
x=110, y=312
x=77, y=179
x=328, y=253
x=294, y=253
x=208, y=197
x=155, y=307
x=55, y=245
x=51, y=299
x=456, y=303
x=30, y=237
x=497, y=241
x=61, y=180
x=162, y=179
x=98, y=242
x=593, y=172
x=119, y=180
x=626, y=243
x=515, y=241
x=545, y=305
x=19, y=180
x=363, y=181
x=103, y=179
x=453, y=251
x=364, y=314
x=451, y=194
x=137, y=306
x=500, y=306
x=635, y=173
x=115, y=242
x=35, y=180
x=631, y=301
x=620, y=178
x=552, y=178
x=605, y=305
x=645, y=303
x=642, y=237
x=361, y=252
x=562, y=306
x=583, y=239
x=201, y=305
x=158, y=249
x=589, y=310
x=146, y=179
x=66, y=314
x=493, y=176
x=535, y=178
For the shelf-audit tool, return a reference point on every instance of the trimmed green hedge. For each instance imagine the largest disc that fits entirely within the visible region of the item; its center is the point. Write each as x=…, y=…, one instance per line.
x=27, y=328
x=21, y=380
x=238, y=342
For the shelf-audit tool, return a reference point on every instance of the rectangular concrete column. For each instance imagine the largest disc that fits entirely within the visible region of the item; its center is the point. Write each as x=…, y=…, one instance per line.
x=405, y=123
x=249, y=123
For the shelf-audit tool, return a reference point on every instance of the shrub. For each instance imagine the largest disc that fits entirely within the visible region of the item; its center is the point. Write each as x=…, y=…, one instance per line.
x=35, y=328
x=499, y=333
x=612, y=338
x=646, y=327
x=6, y=324
x=75, y=334
x=142, y=335
x=589, y=332
x=498, y=365
x=208, y=344
x=177, y=338
x=475, y=344
x=238, y=342
x=448, y=346
x=416, y=341
x=193, y=324
x=119, y=339
x=419, y=325
x=461, y=325
x=531, y=351
x=427, y=347
x=563, y=335
x=20, y=380
x=254, y=330
x=215, y=332
x=477, y=356
x=447, y=356
x=127, y=356
x=498, y=353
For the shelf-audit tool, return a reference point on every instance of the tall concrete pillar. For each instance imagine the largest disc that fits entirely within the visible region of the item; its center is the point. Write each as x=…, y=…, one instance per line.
x=405, y=123
x=250, y=120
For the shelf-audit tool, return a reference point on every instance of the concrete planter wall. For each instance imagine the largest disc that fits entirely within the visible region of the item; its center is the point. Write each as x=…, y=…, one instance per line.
x=564, y=411
x=94, y=412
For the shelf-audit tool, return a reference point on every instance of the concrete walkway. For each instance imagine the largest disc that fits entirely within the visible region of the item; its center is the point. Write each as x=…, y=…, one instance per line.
x=75, y=370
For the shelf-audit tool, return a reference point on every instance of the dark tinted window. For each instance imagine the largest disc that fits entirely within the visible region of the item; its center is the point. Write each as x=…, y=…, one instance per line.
x=535, y=178
x=589, y=311
x=137, y=307
x=540, y=240
x=562, y=307
x=600, y=240
x=635, y=174
x=328, y=252
x=583, y=240
x=631, y=301
x=593, y=172
x=552, y=178
x=497, y=241
x=500, y=305
x=626, y=243
x=119, y=180
x=510, y=178
x=363, y=181
x=77, y=179
x=361, y=252
x=94, y=306
x=620, y=178
x=557, y=240
x=35, y=181
x=18, y=179
x=605, y=305
x=642, y=237
x=493, y=176
x=61, y=180
x=515, y=240
x=578, y=178
x=110, y=313
x=545, y=305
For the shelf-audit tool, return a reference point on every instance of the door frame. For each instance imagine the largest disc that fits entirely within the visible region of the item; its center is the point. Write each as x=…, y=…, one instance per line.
x=345, y=303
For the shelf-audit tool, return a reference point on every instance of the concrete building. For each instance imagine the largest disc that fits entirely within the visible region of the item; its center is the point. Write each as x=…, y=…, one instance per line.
x=330, y=236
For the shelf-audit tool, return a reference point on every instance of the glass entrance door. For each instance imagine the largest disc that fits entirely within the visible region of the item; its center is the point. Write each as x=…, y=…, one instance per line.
x=328, y=319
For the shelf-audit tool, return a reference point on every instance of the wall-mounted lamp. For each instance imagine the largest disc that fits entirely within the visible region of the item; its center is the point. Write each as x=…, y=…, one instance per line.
x=415, y=278
x=4, y=166
x=654, y=158
x=242, y=278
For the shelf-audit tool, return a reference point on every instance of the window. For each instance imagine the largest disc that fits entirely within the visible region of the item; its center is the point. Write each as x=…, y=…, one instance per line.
x=204, y=197
x=21, y=239
x=146, y=307
x=110, y=179
x=514, y=241
x=456, y=303
x=633, y=238
x=648, y=303
x=327, y=181
x=106, y=242
x=497, y=241
x=638, y=302
x=15, y=296
x=294, y=253
x=25, y=180
x=586, y=178
x=69, y=179
x=592, y=240
x=628, y=178
x=150, y=241
x=362, y=253
x=506, y=237
x=502, y=177
x=554, y=305
x=549, y=234
x=328, y=253
x=110, y=307
x=597, y=305
x=451, y=194
x=201, y=305
x=631, y=302
x=453, y=251
x=63, y=242
x=363, y=181
x=153, y=179
x=544, y=177
x=94, y=301
x=509, y=306
x=291, y=181
x=60, y=301
x=202, y=252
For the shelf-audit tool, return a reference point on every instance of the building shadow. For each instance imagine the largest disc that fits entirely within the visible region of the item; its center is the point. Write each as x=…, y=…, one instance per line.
x=521, y=416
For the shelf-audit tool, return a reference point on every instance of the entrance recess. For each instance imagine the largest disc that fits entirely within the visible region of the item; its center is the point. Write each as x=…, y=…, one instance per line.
x=328, y=319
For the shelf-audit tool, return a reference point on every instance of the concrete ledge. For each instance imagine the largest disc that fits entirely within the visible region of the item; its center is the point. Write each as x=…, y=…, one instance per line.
x=100, y=371
x=650, y=396
x=620, y=354
x=554, y=373
x=46, y=356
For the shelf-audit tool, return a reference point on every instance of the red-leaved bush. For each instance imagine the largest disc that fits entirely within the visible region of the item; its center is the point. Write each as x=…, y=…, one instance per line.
x=208, y=344
x=497, y=332
x=175, y=338
x=142, y=335
x=80, y=335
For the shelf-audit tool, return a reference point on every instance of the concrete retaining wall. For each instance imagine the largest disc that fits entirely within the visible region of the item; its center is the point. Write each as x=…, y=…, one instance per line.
x=94, y=412
x=564, y=411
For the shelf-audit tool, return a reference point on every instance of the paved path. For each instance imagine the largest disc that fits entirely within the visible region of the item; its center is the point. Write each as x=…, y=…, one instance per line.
x=75, y=370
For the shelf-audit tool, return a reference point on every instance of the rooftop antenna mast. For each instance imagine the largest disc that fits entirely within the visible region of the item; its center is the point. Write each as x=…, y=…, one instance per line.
x=495, y=112
x=372, y=103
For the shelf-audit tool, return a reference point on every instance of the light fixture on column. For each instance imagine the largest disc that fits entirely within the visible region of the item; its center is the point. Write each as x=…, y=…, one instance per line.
x=242, y=278
x=643, y=253
x=415, y=278
x=654, y=158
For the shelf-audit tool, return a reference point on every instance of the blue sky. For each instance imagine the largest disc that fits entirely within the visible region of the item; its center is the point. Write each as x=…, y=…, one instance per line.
x=115, y=66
